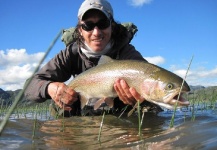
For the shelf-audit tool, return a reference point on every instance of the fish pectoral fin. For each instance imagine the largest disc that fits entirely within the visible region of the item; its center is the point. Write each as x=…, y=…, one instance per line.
x=109, y=101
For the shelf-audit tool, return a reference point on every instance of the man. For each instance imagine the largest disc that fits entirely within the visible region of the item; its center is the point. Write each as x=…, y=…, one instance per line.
x=96, y=34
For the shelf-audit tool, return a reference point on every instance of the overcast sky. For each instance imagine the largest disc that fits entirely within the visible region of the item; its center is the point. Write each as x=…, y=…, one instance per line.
x=170, y=33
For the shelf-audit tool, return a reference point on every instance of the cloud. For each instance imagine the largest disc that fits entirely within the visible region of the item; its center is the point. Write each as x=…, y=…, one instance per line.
x=16, y=65
x=139, y=3
x=18, y=57
x=157, y=60
x=198, y=76
x=195, y=76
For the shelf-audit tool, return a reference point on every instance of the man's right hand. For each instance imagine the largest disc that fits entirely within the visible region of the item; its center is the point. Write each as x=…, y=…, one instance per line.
x=62, y=95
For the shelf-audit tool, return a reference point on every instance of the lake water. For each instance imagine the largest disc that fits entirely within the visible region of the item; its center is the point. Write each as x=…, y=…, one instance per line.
x=188, y=133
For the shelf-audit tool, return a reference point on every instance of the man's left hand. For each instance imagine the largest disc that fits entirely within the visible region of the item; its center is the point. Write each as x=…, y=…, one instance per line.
x=127, y=94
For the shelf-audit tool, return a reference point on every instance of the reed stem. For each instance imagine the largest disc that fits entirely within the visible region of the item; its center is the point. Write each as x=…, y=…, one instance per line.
x=100, y=129
x=139, y=119
x=174, y=112
x=35, y=122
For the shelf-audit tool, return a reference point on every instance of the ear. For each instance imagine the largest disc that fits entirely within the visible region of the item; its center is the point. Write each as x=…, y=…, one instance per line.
x=80, y=31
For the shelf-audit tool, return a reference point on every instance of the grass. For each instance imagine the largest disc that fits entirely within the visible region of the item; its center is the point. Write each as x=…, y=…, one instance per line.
x=100, y=128
x=35, y=123
x=139, y=118
x=203, y=99
x=28, y=111
x=34, y=112
x=173, y=116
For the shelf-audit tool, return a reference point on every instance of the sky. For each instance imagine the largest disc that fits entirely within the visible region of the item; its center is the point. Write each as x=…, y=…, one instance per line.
x=170, y=33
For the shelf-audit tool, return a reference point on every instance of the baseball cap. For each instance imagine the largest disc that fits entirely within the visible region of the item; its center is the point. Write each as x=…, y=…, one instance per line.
x=102, y=5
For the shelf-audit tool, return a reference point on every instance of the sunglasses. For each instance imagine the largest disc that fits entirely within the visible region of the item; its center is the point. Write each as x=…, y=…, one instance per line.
x=101, y=24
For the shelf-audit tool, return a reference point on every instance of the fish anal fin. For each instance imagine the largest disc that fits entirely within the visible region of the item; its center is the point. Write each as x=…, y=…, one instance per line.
x=83, y=100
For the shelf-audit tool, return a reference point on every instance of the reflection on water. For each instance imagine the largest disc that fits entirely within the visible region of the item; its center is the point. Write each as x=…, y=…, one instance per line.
x=82, y=132
x=199, y=134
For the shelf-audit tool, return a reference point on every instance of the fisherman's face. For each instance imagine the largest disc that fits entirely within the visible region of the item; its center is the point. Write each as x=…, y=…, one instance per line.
x=96, y=30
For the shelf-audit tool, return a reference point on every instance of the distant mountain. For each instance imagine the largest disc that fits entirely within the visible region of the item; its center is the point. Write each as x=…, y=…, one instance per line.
x=197, y=87
x=7, y=97
x=3, y=94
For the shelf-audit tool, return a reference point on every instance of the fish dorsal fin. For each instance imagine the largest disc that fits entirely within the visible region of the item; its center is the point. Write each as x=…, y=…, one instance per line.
x=105, y=59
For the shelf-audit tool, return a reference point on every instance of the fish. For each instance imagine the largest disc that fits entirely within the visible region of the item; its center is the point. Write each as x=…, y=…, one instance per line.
x=154, y=83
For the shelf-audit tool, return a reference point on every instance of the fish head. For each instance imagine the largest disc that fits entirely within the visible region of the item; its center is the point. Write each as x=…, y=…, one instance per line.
x=165, y=89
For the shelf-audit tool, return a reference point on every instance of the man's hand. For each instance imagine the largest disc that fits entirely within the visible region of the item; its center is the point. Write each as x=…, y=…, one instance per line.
x=62, y=95
x=127, y=94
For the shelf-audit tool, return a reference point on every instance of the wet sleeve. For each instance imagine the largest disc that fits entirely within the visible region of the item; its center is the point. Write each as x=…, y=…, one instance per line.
x=58, y=69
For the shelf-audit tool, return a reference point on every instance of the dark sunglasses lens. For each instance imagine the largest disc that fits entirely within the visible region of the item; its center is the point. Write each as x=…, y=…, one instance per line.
x=88, y=26
x=102, y=24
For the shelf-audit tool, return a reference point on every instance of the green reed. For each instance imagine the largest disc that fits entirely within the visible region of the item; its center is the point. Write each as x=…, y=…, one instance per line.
x=202, y=100
x=122, y=111
x=35, y=123
x=139, y=119
x=27, y=111
x=213, y=99
x=174, y=112
x=100, y=128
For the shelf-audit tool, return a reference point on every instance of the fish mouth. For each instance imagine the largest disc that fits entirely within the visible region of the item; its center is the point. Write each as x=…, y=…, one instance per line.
x=180, y=100
x=173, y=100
x=177, y=99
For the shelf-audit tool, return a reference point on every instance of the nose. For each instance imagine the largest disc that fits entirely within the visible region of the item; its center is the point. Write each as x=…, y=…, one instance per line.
x=96, y=31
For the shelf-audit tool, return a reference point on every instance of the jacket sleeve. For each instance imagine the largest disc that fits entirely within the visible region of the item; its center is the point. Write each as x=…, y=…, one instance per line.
x=129, y=52
x=58, y=69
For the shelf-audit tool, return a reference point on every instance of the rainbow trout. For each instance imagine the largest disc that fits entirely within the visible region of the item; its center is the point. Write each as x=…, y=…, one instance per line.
x=155, y=84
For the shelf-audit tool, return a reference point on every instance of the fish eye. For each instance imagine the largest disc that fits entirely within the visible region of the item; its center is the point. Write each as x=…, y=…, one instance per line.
x=170, y=86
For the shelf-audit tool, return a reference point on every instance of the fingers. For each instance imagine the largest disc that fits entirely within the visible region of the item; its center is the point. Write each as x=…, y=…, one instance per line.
x=62, y=95
x=136, y=95
x=123, y=91
x=69, y=96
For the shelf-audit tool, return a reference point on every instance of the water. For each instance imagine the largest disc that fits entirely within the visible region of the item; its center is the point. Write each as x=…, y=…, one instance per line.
x=83, y=132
